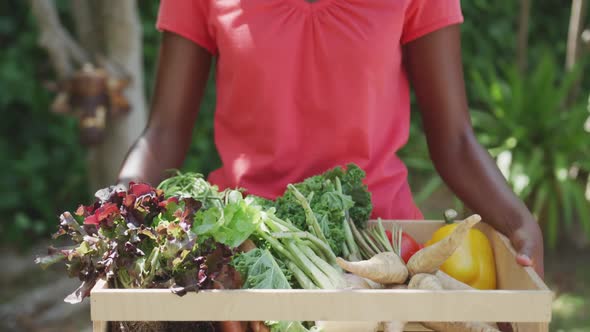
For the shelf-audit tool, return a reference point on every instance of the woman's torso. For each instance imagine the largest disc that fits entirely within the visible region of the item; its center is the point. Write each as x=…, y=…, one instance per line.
x=303, y=87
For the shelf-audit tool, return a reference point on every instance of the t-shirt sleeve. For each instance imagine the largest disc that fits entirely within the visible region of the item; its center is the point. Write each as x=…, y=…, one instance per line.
x=425, y=16
x=189, y=19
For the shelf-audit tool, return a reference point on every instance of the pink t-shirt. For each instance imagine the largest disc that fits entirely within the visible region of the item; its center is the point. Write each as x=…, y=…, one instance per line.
x=303, y=87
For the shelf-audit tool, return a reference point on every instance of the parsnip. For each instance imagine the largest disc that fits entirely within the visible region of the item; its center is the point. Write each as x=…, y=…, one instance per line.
x=385, y=268
x=355, y=282
x=449, y=282
x=431, y=282
x=425, y=281
x=429, y=259
x=374, y=285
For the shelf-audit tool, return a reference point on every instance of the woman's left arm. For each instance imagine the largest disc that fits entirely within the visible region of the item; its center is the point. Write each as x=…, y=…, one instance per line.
x=435, y=68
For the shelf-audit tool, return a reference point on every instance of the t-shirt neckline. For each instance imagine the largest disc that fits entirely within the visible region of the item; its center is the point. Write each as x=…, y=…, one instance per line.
x=311, y=5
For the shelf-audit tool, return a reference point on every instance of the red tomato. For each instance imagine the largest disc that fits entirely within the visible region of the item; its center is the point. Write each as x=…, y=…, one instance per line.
x=409, y=245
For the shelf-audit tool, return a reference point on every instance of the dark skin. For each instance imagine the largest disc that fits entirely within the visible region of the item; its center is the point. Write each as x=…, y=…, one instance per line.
x=435, y=68
x=436, y=71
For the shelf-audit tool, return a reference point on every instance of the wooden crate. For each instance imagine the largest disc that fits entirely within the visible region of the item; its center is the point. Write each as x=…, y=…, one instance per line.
x=522, y=298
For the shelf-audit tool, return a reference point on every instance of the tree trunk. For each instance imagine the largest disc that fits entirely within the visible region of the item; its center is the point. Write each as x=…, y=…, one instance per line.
x=62, y=49
x=523, y=35
x=574, y=44
x=575, y=33
x=110, y=29
x=86, y=23
x=121, y=28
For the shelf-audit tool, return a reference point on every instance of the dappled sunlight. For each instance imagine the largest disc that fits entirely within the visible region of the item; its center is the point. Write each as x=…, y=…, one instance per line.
x=568, y=306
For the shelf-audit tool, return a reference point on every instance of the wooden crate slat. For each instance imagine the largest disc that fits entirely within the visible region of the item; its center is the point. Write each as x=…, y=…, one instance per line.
x=343, y=305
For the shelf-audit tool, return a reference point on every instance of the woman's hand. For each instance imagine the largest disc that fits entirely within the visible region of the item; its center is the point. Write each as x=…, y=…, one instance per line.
x=528, y=242
x=435, y=69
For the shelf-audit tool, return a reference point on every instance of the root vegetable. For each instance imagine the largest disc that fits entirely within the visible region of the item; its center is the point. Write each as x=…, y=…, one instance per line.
x=425, y=281
x=374, y=285
x=431, y=282
x=385, y=268
x=429, y=259
x=449, y=282
x=356, y=282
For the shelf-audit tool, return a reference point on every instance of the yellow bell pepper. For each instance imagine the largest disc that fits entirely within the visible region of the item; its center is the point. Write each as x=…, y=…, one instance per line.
x=473, y=262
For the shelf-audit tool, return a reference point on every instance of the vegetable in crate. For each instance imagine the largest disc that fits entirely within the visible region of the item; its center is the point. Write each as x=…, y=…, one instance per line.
x=232, y=218
x=409, y=246
x=334, y=196
x=259, y=269
x=430, y=258
x=137, y=238
x=473, y=261
x=284, y=258
x=426, y=281
x=384, y=268
x=185, y=236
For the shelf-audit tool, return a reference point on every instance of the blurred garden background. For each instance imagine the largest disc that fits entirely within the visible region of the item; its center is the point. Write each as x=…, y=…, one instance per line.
x=526, y=69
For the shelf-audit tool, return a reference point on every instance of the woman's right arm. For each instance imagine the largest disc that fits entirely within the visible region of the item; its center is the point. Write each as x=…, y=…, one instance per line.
x=183, y=69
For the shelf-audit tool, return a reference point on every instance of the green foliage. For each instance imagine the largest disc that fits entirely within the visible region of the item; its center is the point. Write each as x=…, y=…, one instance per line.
x=43, y=165
x=329, y=195
x=540, y=143
x=225, y=216
x=259, y=269
x=230, y=225
x=489, y=33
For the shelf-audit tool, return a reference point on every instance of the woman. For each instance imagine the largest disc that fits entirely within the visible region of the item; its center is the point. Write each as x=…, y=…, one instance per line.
x=304, y=86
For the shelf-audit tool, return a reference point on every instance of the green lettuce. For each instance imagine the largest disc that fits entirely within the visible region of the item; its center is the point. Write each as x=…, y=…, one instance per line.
x=230, y=225
x=260, y=270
